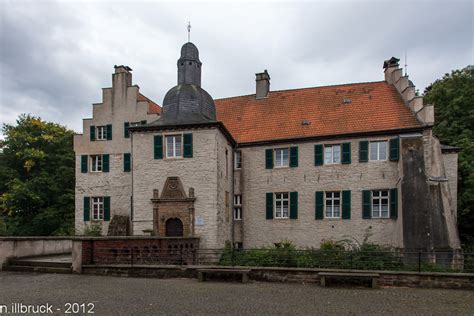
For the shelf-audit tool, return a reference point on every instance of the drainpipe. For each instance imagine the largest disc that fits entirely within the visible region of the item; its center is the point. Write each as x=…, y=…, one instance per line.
x=232, y=199
x=131, y=173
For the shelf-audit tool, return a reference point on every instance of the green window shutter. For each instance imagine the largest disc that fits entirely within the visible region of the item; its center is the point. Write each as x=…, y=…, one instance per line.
x=293, y=205
x=319, y=212
x=158, y=147
x=105, y=163
x=293, y=156
x=366, y=204
x=143, y=122
x=126, y=162
x=92, y=133
x=346, y=204
x=394, y=149
x=106, y=208
x=318, y=155
x=187, y=145
x=363, y=151
x=269, y=209
x=394, y=203
x=126, y=133
x=269, y=158
x=109, y=131
x=346, y=153
x=84, y=163
x=87, y=209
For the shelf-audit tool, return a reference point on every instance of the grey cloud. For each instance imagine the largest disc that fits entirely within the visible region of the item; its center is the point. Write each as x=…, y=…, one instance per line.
x=56, y=57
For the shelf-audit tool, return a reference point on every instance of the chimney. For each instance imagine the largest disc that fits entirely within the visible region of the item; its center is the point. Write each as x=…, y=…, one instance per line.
x=124, y=72
x=263, y=84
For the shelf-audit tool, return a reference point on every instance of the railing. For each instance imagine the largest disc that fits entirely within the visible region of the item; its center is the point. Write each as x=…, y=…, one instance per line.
x=446, y=261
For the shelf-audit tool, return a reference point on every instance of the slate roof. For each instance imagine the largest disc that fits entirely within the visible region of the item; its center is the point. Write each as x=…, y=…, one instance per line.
x=315, y=112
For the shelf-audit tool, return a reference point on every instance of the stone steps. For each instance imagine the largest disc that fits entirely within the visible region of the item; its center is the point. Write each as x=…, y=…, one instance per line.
x=38, y=269
x=41, y=265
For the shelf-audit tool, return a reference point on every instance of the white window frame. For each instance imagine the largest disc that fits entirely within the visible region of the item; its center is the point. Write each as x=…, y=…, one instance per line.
x=175, y=136
x=278, y=154
x=331, y=201
x=332, y=161
x=238, y=207
x=279, y=213
x=378, y=142
x=97, y=163
x=97, y=205
x=101, y=132
x=377, y=195
x=238, y=160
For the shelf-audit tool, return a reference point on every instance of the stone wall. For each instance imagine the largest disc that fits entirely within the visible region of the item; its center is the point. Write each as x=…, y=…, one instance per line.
x=17, y=247
x=119, y=105
x=297, y=275
x=451, y=168
x=306, y=179
x=205, y=172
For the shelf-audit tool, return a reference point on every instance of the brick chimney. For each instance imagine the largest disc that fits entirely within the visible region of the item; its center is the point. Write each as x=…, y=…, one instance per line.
x=263, y=84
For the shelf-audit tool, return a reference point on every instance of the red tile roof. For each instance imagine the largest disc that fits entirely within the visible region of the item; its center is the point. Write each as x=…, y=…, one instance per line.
x=373, y=107
x=152, y=106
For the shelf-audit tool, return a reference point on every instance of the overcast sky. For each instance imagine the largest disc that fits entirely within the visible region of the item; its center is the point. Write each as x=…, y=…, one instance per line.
x=56, y=56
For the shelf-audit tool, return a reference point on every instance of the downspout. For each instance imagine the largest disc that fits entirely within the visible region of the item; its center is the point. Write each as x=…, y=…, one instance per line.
x=131, y=173
x=232, y=198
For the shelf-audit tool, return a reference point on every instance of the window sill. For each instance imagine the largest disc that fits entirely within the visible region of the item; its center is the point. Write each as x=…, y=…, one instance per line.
x=281, y=167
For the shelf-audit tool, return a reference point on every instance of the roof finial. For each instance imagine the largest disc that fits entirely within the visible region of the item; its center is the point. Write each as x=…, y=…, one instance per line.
x=189, y=31
x=406, y=63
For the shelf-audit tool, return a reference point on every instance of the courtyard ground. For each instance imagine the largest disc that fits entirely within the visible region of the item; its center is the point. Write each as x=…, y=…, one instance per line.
x=136, y=296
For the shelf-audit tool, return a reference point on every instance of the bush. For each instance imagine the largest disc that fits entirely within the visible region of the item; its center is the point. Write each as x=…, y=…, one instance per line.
x=93, y=231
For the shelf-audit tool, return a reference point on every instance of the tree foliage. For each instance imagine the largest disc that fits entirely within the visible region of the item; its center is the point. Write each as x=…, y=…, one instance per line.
x=37, y=172
x=453, y=98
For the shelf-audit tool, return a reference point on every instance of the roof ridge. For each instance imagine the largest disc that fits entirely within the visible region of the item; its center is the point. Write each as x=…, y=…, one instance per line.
x=305, y=88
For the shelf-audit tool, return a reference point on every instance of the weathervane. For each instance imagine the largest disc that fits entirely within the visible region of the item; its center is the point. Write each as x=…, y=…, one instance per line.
x=189, y=31
x=406, y=64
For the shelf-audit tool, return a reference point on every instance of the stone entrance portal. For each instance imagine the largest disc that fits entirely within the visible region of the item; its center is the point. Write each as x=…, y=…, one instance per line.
x=174, y=227
x=173, y=210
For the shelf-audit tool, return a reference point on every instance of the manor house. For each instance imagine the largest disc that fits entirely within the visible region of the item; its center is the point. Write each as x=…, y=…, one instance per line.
x=305, y=165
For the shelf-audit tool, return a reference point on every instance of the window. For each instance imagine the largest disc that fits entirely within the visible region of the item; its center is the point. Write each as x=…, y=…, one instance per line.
x=333, y=204
x=237, y=207
x=380, y=204
x=378, y=150
x=332, y=154
x=238, y=245
x=96, y=163
x=238, y=159
x=97, y=208
x=282, y=202
x=173, y=146
x=282, y=157
x=101, y=132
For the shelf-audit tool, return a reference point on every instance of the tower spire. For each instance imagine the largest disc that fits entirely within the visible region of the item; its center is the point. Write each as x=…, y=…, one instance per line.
x=189, y=32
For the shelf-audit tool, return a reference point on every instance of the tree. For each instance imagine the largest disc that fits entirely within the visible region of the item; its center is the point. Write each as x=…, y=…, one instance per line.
x=453, y=98
x=37, y=172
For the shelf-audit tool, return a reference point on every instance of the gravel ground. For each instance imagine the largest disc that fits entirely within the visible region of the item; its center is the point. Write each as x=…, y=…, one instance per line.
x=135, y=296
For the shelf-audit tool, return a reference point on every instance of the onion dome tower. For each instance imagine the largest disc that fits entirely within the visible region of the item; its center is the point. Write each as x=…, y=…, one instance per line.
x=187, y=103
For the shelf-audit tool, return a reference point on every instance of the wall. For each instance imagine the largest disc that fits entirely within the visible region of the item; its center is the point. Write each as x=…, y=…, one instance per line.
x=16, y=247
x=205, y=172
x=451, y=168
x=306, y=179
x=298, y=275
x=120, y=104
